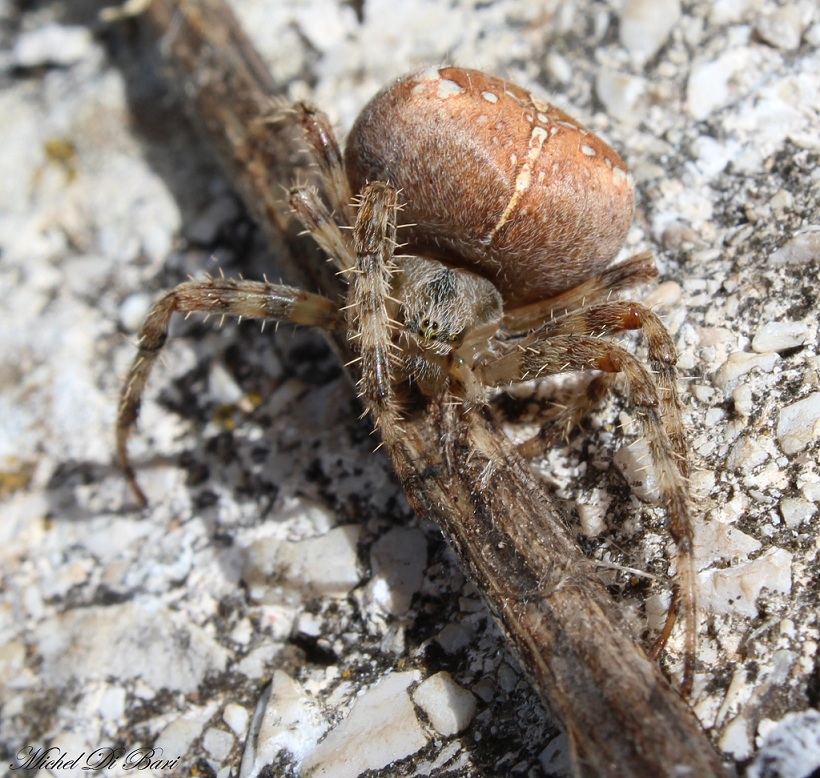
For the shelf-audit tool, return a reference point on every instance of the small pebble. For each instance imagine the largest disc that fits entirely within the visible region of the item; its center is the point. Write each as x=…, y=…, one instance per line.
x=621, y=93
x=716, y=540
x=133, y=311
x=449, y=707
x=635, y=464
x=218, y=743
x=52, y=44
x=237, y=718
x=796, y=511
x=738, y=364
x=780, y=335
x=558, y=68
x=381, y=727
x=454, y=638
x=286, y=719
x=708, y=88
x=743, y=400
x=398, y=559
x=592, y=516
x=327, y=565
x=799, y=424
x=645, y=25
x=792, y=747
x=734, y=590
x=782, y=27
x=180, y=734
x=801, y=249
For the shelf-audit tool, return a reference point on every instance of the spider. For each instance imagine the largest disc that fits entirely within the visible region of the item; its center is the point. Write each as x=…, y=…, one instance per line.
x=514, y=213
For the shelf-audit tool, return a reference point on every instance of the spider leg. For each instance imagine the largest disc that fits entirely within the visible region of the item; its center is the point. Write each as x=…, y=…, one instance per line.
x=310, y=209
x=369, y=320
x=609, y=319
x=657, y=405
x=319, y=135
x=638, y=269
x=226, y=297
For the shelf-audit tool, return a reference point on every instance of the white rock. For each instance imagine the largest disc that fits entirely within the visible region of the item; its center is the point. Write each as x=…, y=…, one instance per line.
x=243, y=632
x=237, y=718
x=222, y=386
x=804, y=247
x=738, y=364
x=799, y=424
x=327, y=565
x=133, y=311
x=666, y=293
x=592, y=516
x=449, y=707
x=796, y=511
x=52, y=44
x=736, y=589
x=308, y=624
x=732, y=11
x=736, y=738
x=177, y=737
x=218, y=743
x=112, y=703
x=715, y=540
x=398, y=560
x=708, y=87
x=792, y=747
x=645, y=26
x=621, y=94
x=454, y=638
x=712, y=155
x=286, y=719
x=558, y=67
x=779, y=336
x=747, y=454
x=634, y=461
x=743, y=400
x=782, y=27
x=381, y=727
x=256, y=663
x=128, y=641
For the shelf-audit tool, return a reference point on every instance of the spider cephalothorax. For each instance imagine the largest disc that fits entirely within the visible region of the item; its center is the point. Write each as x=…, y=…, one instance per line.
x=514, y=212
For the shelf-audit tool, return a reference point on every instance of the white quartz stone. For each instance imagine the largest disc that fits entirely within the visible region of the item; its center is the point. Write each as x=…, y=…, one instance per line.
x=449, y=707
x=736, y=589
x=645, y=25
x=381, y=727
x=799, y=424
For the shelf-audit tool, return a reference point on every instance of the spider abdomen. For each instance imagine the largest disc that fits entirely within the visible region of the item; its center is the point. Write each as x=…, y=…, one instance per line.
x=494, y=180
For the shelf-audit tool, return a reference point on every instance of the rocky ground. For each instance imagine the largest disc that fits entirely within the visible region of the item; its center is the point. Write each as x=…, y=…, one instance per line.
x=278, y=599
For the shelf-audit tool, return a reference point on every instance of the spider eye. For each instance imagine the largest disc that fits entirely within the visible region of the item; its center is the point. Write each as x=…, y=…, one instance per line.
x=430, y=328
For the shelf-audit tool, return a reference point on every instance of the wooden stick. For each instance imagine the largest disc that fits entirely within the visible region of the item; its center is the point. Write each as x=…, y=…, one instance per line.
x=620, y=713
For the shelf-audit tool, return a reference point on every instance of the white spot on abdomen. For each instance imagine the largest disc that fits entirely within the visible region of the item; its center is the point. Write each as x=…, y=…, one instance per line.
x=447, y=88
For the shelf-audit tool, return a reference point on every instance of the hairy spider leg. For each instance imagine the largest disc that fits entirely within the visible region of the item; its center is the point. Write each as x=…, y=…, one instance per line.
x=321, y=138
x=638, y=269
x=237, y=298
x=369, y=320
x=565, y=345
